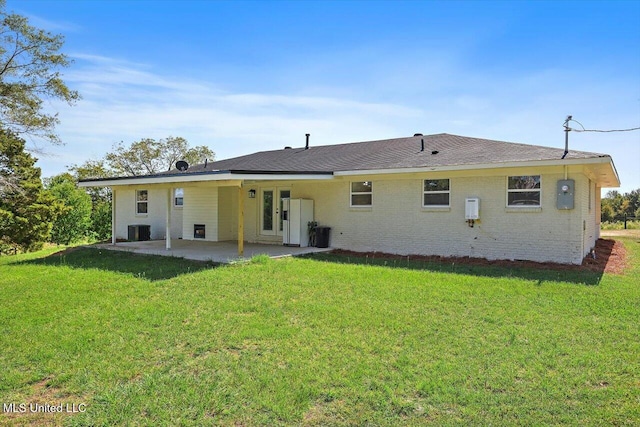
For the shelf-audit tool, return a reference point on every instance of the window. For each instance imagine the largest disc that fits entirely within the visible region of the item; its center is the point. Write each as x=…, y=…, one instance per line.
x=267, y=210
x=523, y=191
x=361, y=193
x=178, y=197
x=436, y=192
x=142, y=198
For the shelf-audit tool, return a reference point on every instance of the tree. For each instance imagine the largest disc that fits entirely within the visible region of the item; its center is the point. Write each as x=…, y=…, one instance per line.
x=615, y=206
x=30, y=60
x=27, y=212
x=148, y=156
x=73, y=223
x=606, y=213
x=101, y=220
x=93, y=169
x=100, y=228
x=634, y=202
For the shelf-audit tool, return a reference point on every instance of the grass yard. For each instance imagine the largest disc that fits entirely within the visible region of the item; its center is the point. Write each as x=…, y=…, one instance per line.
x=160, y=341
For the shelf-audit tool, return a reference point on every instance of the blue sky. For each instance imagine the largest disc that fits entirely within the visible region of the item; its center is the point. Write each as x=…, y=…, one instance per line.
x=248, y=76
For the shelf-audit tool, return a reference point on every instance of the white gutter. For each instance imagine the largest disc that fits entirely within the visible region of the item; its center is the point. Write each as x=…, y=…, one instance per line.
x=201, y=178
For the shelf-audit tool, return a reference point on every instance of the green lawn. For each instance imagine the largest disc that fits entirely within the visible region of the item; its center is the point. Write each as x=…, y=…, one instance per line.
x=161, y=341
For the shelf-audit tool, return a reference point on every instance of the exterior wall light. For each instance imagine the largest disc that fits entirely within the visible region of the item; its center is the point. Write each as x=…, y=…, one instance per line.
x=252, y=194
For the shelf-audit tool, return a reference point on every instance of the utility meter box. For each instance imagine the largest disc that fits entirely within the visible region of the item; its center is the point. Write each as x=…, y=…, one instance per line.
x=472, y=208
x=566, y=190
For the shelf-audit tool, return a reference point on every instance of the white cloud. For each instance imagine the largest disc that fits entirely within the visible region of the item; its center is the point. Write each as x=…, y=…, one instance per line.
x=123, y=101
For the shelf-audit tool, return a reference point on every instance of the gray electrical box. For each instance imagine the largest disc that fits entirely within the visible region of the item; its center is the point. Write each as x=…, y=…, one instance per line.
x=566, y=190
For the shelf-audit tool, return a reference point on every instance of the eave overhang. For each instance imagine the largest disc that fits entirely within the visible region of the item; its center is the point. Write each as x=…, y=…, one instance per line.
x=180, y=178
x=602, y=170
x=607, y=175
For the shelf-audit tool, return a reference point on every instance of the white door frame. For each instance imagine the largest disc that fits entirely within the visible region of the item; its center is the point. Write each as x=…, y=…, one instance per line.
x=276, y=210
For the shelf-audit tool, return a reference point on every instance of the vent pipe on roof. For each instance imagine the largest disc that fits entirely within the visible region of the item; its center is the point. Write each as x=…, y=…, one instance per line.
x=417, y=134
x=205, y=163
x=306, y=146
x=422, y=144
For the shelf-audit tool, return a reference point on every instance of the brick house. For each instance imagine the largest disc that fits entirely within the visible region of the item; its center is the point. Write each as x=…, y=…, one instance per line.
x=437, y=194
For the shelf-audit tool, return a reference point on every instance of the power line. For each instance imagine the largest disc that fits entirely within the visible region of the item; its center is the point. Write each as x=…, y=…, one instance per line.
x=598, y=130
x=612, y=130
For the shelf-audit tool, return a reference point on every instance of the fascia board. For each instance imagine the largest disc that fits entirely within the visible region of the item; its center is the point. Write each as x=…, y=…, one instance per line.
x=201, y=178
x=537, y=163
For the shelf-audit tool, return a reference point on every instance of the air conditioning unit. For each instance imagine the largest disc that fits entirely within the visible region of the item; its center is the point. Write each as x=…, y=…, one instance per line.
x=138, y=232
x=472, y=208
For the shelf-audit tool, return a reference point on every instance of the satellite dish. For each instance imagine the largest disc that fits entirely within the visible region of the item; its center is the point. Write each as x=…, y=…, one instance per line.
x=182, y=166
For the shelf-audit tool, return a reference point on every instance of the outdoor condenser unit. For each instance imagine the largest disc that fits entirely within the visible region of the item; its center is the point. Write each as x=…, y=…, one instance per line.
x=472, y=208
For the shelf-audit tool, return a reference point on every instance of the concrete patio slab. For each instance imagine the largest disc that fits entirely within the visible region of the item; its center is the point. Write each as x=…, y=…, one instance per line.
x=220, y=252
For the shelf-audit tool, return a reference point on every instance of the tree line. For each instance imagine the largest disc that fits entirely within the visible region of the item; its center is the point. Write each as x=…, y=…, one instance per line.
x=616, y=206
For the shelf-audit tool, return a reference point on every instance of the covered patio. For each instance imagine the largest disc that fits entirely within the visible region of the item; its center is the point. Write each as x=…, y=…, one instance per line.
x=219, y=252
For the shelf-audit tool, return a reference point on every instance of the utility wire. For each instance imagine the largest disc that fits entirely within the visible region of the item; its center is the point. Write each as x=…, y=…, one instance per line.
x=598, y=130
x=612, y=130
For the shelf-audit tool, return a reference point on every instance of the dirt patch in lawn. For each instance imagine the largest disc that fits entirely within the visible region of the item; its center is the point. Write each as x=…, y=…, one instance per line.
x=610, y=257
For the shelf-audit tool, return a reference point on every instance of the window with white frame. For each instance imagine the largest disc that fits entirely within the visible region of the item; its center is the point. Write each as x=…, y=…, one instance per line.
x=361, y=193
x=178, y=197
x=524, y=191
x=436, y=193
x=142, y=200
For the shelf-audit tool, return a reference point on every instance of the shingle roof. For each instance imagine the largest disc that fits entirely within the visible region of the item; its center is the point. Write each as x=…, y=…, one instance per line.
x=398, y=153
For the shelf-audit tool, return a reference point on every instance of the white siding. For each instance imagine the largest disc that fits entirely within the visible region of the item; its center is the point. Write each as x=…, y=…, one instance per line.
x=200, y=207
x=228, y=213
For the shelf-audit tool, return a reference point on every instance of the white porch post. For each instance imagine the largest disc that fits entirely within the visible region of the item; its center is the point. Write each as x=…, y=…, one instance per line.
x=168, y=222
x=240, y=221
x=113, y=215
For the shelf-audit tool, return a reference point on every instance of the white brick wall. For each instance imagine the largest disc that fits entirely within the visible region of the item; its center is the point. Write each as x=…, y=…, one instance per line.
x=397, y=223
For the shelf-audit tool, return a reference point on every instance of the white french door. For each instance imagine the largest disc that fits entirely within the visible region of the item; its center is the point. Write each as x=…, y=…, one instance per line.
x=271, y=210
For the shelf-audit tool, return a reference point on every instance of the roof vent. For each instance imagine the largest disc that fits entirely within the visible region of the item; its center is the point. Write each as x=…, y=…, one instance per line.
x=435, y=152
x=306, y=147
x=182, y=166
x=417, y=134
x=287, y=148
